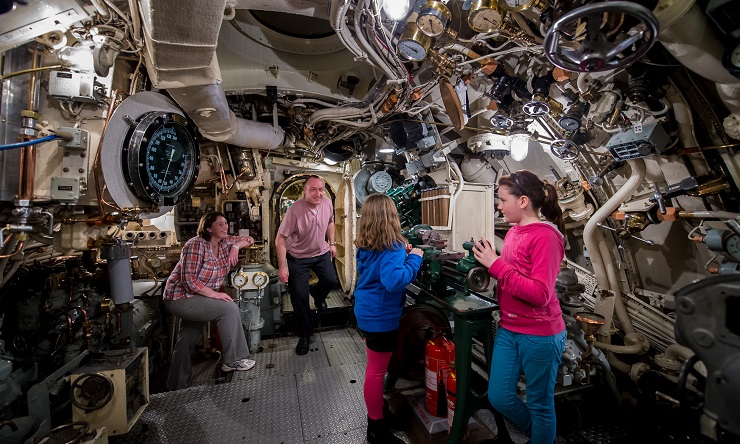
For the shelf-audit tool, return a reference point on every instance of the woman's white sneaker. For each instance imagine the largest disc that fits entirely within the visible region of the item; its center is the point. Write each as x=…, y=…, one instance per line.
x=240, y=365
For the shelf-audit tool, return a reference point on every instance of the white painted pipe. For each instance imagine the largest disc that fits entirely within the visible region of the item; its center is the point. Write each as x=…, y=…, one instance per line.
x=611, y=273
x=605, y=306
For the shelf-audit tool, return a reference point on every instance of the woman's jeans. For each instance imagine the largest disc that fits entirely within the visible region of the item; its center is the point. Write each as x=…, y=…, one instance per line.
x=538, y=358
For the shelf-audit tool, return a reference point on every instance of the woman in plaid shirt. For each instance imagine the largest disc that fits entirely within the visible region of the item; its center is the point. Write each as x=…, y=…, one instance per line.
x=193, y=293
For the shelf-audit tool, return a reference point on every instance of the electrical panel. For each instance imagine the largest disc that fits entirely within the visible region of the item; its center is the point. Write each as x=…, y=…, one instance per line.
x=77, y=87
x=638, y=141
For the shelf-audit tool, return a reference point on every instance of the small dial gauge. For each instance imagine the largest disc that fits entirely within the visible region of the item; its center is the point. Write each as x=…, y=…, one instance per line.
x=160, y=157
x=154, y=262
x=484, y=16
x=569, y=123
x=433, y=18
x=239, y=280
x=260, y=279
x=413, y=44
x=732, y=246
x=516, y=5
x=731, y=59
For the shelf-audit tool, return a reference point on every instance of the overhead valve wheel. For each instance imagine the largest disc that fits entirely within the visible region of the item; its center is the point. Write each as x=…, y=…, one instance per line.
x=597, y=52
x=91, y=391
x=564, y=149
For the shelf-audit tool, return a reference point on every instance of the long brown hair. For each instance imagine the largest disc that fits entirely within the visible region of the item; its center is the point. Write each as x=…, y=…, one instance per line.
x=206, y=221
x=380, y=228
x=544, y=196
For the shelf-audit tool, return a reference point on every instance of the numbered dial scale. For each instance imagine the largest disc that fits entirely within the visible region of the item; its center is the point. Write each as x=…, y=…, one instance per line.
x=433, y=18
x=160, y=157
x=413, y=44
x=485, y=16
x=239, y=280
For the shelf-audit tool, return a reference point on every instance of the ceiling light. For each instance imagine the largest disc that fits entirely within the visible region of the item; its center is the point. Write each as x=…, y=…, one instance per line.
x=519, y=146
x=396, y=9
x=386, y=149
x=329, y=161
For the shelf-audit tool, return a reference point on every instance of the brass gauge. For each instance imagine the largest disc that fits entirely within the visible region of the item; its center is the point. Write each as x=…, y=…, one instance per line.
x=433, y=18
x=260, y=279
x=521, y=5
x=239, y=280
x=485, y=16
x=413, y=44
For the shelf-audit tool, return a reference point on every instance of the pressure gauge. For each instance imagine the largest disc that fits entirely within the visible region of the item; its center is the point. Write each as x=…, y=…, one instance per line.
x=260, y=279
x=731, y=59
x=154, y=262
x=413, y=44
x=484, y=16
x=724, y=241
x=160, y=157
x=521, y=5
x=239, y=280
x=433, y=18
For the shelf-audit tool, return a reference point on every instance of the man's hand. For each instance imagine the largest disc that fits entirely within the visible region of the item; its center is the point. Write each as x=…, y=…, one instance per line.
x=485, y=253
x=283, y=275
x=333, y=251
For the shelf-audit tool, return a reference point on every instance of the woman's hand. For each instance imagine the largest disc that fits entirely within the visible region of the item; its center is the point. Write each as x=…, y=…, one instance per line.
x=233, y=256
x=485, y=253
x=223, y=297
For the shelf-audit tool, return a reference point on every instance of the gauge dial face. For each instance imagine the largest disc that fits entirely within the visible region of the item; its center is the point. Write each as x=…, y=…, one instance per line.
x=260, y=279
x=735, y=56
x=515, y=5
x=412, y=50
x=160, y=157
x=569, y=123
x=732, y=246
x=484, y=20
x=433, y=18
x=239, y=280
x=169, y=159
x=155, y=262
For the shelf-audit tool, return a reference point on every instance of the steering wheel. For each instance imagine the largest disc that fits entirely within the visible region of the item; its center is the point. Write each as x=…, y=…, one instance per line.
x=92, y=389
x=596, y=52
x=564, y=149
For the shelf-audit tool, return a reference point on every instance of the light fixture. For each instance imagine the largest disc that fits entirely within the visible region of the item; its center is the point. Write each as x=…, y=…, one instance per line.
x=386, y=148
x=396, y=9
x=77, y=58
x=519, y=146
x=329, y=161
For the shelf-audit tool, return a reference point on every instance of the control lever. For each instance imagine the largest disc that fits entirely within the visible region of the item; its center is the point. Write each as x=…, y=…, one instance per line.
x=658, y=197
x=624, y=234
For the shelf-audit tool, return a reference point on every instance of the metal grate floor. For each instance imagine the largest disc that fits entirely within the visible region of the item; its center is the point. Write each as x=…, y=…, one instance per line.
x=316, y=398
x=335, y=299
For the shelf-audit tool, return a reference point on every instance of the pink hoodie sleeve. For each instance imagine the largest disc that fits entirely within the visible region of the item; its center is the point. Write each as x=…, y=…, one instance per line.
x=535, y=289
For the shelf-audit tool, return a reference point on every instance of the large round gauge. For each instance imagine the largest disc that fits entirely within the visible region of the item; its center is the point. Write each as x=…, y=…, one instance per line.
x=160, y=157
x=413, y=44
x=484, y=16
x=433, y=18
x=239, y=280
x=521, y=5
x=260, y=279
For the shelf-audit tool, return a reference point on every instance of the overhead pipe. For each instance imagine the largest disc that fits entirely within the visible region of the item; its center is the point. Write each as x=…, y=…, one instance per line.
x=606, y=306
x=181, y=58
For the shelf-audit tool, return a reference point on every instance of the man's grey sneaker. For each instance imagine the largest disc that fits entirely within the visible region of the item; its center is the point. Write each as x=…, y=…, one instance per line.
x=240, y=365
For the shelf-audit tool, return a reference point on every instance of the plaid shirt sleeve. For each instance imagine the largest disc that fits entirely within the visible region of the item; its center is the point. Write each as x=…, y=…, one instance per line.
x=191, y=260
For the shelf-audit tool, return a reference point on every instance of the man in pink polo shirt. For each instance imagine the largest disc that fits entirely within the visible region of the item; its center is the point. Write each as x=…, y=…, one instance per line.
x=305, y=242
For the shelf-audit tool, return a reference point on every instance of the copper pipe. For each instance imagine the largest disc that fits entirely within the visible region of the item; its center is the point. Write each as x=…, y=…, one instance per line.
x=98, y=190
x=17, y=250
x=28, y=71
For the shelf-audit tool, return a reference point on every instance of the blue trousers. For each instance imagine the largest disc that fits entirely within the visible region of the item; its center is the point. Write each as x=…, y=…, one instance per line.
x=538, y=358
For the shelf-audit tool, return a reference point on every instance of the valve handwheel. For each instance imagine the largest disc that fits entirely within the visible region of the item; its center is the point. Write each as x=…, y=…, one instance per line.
x=91, y=391
x=599, y=51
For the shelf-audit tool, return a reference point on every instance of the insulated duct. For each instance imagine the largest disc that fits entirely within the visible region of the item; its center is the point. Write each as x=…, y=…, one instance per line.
x=181, y=58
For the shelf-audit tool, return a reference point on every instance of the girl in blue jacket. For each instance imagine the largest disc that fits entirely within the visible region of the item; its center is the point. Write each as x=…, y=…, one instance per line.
x=386, y=264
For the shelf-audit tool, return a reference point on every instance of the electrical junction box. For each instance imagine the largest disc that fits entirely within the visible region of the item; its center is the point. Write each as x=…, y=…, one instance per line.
x=72, y=86
x=124, y=373
x=639, y=141
x=65, y=189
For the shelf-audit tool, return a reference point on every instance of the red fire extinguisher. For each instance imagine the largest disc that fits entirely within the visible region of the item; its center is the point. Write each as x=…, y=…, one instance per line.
x=439, y=353
x=451, y=397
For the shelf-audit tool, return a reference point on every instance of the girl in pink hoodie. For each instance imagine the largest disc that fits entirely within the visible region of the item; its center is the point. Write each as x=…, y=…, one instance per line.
x=531, y=333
